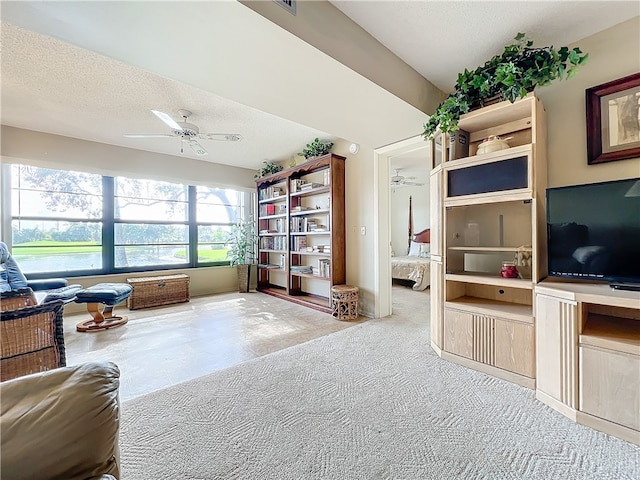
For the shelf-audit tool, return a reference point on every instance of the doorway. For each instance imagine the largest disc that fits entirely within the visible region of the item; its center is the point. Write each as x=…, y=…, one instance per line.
x=408, y=158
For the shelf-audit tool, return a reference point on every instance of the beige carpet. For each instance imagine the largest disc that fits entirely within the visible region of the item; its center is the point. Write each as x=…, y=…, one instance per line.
x=370, y=402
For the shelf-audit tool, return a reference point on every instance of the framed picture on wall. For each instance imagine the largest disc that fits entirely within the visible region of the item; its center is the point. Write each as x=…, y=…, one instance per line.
x=613, y=120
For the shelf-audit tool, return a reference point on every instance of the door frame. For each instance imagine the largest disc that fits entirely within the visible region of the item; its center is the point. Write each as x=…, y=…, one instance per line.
x=382, y=218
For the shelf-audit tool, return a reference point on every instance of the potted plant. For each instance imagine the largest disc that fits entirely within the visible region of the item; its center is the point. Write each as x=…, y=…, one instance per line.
x=509, y=76
x=316, y=149
x=268, y=169
x=242, y=242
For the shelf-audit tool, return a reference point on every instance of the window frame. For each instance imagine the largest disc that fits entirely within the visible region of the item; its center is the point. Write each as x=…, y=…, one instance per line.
x=108, y=220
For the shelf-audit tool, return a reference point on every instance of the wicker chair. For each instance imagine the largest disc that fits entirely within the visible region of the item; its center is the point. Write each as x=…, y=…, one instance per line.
x=31, y=336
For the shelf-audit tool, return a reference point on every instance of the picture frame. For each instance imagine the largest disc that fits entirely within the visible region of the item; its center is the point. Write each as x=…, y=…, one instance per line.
x=613, y=120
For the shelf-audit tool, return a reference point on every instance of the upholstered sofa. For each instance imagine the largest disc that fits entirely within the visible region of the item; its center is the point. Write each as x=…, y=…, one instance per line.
x=61, y=424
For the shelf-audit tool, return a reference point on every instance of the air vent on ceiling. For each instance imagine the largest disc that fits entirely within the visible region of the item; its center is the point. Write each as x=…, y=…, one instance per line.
x=289, y=5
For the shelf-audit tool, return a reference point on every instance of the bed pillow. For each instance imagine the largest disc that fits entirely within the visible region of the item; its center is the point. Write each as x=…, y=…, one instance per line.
x=414, y=249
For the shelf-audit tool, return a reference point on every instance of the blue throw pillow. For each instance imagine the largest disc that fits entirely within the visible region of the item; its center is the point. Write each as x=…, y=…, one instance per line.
x=11, y=277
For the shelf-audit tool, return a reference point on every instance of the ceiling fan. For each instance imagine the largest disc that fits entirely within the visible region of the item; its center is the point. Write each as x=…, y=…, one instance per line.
x=187, y=132
x=398, y=180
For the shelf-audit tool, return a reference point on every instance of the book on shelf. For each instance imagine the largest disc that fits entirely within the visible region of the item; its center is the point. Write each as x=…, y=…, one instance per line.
x=301, y=269
x=309, y=186
x=270, y=192
x=300, y=208
x=269, y=266
x=298, y=244
x=323, y=268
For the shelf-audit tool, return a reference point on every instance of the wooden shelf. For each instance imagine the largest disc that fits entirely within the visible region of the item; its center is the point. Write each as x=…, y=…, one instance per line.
x=327, y=174
x=614, y=333
x=315, y=211
x=322, y=232
x=491, y=249
x=315, y=254
x=309, y=275
x=311, y=191
x=490, y=280
x=478, y=318
x=493, y=308
x=281, y=198
x=499, y=113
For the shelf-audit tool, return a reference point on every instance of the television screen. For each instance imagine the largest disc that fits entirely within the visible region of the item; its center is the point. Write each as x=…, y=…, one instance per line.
x=593, y=231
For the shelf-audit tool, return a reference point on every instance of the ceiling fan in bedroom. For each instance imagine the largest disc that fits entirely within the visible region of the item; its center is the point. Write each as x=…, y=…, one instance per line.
x=186, y=132
x=398, y=180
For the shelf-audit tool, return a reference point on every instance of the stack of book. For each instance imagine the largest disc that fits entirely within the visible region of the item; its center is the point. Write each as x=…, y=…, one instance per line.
x=269, y=266
x=299, y=244
x=308, y=186
x=301, y=269
x=323, y=268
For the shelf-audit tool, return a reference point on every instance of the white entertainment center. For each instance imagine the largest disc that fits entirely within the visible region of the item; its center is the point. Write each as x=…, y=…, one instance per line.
x=577, y=343
x=588, y=354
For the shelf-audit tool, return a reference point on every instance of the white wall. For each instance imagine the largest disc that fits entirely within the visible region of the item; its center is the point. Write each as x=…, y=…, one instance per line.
x=400, y=215
x=613, y=53
x=54, y=151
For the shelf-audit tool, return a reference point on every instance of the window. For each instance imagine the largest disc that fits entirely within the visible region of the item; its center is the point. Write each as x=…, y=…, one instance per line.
x=73, y=223
x=56, y=220
x=216, y=211
x=151, y=223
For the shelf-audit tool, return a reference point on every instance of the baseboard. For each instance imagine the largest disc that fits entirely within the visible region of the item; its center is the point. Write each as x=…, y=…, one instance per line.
x=491, y=370
x=557, y=405
x=625, y=433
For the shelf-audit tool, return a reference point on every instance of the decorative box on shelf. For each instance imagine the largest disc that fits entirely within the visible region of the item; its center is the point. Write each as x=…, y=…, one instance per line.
x=158, y=290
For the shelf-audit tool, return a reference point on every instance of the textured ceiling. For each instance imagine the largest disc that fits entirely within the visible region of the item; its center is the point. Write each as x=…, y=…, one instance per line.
x=54, y=87
x=441, y=38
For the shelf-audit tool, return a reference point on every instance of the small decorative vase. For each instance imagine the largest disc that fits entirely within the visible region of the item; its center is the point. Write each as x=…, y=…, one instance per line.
x=508, y=270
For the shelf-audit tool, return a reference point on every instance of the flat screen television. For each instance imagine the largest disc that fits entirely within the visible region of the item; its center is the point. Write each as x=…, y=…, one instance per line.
x=593, y=232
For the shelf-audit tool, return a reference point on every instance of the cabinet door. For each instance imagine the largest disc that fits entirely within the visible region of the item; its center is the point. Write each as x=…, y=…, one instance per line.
x=557, y=349
x=458, y=333
x=609, y=385
x=437, y=302
x=515, y=347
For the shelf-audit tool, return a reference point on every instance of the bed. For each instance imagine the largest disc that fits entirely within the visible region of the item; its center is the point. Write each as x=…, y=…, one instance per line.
x=415, y=265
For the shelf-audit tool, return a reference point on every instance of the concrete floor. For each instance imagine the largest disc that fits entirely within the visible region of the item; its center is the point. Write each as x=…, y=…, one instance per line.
x=162, y=346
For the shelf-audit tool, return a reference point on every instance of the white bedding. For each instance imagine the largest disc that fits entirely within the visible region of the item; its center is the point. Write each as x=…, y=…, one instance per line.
x=411, y=268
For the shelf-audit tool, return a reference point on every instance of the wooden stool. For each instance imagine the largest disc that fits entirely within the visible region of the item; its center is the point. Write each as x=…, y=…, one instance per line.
x=344, y=302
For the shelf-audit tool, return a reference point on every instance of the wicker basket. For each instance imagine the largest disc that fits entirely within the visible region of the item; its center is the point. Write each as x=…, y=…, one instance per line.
x=160, y=290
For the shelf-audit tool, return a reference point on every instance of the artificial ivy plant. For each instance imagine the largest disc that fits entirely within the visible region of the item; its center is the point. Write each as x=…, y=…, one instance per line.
x=510, y=76
x=316, y=149
x=268, y=169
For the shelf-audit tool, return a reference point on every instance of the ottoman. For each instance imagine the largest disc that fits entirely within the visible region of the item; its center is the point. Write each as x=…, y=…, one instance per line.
x=109, y=294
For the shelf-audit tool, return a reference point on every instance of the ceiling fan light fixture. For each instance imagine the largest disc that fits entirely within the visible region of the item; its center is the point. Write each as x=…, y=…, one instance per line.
x=187, y=132
x=167, y=119
x=197, y=148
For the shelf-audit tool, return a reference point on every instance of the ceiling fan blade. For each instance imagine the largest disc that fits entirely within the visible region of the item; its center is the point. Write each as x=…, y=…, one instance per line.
x=197, y=148
x=414, y=184
x=167, y=119
x=224, y=137
x=145, y=135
